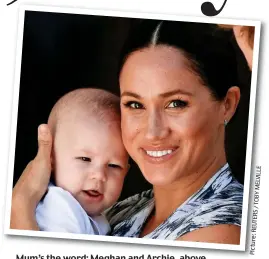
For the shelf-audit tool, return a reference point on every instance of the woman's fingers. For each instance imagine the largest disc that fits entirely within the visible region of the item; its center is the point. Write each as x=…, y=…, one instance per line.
x=41, y=165
x=44, y=143
x=32, y=184
x=34, y=180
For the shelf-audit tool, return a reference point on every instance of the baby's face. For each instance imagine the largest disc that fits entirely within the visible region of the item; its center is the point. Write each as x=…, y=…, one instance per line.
x=90, y=162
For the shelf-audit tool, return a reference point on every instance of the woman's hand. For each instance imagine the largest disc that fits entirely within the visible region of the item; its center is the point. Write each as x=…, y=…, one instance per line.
x=32, y=184
x=242, y=37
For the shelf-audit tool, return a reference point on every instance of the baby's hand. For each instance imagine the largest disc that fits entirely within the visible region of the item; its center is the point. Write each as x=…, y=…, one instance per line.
x=34, y=180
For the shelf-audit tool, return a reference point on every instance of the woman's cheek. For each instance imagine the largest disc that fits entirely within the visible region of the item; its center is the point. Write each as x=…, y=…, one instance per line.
x=130, y=128
x=185, y=125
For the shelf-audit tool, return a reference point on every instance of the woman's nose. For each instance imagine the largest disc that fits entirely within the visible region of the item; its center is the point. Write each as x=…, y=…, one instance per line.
x=156, y=128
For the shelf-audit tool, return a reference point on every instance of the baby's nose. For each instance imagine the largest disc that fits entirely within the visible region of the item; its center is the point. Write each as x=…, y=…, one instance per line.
x=98, y=173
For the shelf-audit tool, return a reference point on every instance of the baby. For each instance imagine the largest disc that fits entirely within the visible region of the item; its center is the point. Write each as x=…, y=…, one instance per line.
x=89, y=163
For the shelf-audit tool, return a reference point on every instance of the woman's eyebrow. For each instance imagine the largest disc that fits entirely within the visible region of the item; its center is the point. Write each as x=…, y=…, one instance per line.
x=177, y=91
x=164, y=95
x=131, y=94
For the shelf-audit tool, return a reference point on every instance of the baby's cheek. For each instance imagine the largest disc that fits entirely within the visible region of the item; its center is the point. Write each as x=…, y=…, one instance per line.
x=69, y=181
x=61, y=179
x=114, y=188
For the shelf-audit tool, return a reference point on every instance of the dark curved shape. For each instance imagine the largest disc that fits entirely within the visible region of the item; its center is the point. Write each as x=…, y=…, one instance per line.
x=208, y=9
x=12, y=2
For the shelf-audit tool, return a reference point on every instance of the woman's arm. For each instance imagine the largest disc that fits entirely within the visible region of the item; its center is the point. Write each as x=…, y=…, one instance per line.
x=32, y=184
x=224, y=234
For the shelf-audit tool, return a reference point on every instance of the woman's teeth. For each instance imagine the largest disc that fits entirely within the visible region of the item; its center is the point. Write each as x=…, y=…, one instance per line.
x=159, y=153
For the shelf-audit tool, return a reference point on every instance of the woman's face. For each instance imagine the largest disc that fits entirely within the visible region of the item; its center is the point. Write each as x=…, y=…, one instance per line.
x=171, y=124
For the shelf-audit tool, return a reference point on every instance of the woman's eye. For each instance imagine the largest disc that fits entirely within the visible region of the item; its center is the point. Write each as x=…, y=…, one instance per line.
x=134, y=105
x=84, y=159
x=177, y=104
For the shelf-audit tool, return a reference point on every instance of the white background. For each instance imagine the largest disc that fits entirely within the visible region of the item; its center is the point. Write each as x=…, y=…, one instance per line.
x=240, y=9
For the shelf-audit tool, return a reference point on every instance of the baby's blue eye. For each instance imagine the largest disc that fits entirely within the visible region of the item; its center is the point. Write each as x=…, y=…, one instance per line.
x=114, y=166
x=84, y=159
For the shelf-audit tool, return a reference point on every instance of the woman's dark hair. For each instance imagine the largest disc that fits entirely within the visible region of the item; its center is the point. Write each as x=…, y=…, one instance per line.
x=209, y=50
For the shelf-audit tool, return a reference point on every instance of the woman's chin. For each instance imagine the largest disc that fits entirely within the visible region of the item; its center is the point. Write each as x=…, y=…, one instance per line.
x=158, y=178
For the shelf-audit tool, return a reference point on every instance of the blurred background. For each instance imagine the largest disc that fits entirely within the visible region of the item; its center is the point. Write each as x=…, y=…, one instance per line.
x=62, y=52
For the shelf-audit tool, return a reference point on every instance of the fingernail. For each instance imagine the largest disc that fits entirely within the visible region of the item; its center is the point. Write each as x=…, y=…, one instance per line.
x=43, y=130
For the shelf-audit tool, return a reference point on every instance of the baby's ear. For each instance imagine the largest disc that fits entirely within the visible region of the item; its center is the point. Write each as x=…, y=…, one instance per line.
x=52, y=164
x=126, y=169
x=52, y=176
x=52, y=159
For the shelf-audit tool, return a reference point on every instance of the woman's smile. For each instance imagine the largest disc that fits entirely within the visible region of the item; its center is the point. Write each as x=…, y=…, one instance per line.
x=158, y=155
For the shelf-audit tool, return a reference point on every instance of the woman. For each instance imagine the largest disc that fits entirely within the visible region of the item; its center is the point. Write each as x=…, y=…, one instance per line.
x=178, y=92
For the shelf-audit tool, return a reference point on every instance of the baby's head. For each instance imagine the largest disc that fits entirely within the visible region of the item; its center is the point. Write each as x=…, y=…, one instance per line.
x=89, y=159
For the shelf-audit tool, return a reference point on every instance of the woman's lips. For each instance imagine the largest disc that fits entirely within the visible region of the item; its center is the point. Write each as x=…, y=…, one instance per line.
x=158, y=155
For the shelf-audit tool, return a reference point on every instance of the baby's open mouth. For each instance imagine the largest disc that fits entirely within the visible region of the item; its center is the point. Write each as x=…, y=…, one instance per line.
x=93, y=193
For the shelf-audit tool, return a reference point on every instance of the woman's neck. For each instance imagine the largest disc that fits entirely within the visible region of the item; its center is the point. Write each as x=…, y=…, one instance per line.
x=169, y=197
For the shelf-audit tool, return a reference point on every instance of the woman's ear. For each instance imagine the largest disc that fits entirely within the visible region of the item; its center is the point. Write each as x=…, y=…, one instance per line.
x=231, y=102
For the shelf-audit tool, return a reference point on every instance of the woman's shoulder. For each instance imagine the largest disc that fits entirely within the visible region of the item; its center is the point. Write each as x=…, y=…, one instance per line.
x=222, y=187
x=126, y=208
x=226, y=191
x=222, y=207
x=220, y=203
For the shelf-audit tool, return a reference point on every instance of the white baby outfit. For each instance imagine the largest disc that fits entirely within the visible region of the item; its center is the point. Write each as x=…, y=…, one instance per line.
x=59, y=211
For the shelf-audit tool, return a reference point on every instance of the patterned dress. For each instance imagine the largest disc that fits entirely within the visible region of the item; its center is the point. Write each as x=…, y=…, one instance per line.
x=219, y=201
